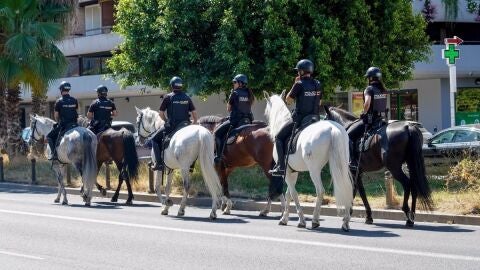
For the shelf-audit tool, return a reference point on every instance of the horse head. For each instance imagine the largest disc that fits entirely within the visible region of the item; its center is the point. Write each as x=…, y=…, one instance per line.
x=148, y=122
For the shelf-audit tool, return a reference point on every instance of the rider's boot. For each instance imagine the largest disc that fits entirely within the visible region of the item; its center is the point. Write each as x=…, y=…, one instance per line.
x=53, y=150
x=157, y=151
x=353, y=164
x=279, y=169
x=218, y=150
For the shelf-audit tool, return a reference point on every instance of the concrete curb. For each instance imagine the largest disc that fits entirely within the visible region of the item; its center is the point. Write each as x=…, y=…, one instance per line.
x=251, y=205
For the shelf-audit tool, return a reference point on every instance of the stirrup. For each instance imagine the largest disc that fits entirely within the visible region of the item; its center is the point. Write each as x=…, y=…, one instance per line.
x=277, y=171
x=157, y=167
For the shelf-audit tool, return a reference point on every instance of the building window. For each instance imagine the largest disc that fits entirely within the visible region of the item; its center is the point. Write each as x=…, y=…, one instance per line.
x=73, y=68
x=93, y=20
x=94, y=65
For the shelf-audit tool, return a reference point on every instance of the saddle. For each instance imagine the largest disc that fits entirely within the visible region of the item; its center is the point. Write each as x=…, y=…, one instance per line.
x=243, y=124
x=168, y=136
x=366, y=142
x=306, y=121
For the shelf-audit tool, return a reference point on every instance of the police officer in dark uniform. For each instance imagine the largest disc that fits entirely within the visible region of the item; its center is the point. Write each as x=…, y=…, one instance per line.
x=374, y=110
x=240, y=107
x=178, y=106
x=307, y=94
x=66, y=116
x=101, y=111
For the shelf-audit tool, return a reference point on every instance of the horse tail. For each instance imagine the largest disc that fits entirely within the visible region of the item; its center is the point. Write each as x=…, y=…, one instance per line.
x=416, y=167
x=210, y=175
x=338, y=161
x=130, y=156
x=89, y=170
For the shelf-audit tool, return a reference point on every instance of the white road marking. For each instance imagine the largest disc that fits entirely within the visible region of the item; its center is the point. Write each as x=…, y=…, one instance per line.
x=253, y=237
x=20, y=255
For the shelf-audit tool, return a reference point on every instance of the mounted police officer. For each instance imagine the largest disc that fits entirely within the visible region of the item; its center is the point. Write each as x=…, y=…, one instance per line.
x=66, y=116
x=374, y=110
x=307, y=94
x=240, y=107
x=178, y=106
x=101, y=111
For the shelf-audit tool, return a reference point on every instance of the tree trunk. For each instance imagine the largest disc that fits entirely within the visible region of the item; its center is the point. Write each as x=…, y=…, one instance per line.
x=13, y=121
x=3, y=118
x=39, y=103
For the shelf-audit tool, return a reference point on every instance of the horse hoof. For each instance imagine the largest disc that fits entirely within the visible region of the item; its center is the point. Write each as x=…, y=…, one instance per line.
x=56, y=201
x=87, y=204
x=369, y=221
x=65, y=203
x=409, y=224
x=226, y=212
x=213, y=216
x=282, y=223
x=164, y=212
x=263, y=214
x=104, y=192
x=129, y=203
x=180, y=214
x=345, y=228
x=315, y=225
x=114, y=199
x=301, y=225
x=169, y=202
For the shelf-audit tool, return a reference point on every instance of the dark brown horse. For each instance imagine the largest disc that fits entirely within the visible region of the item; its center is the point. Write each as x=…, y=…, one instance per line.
x=400, y=142
x=117, y=146
x=252, y=146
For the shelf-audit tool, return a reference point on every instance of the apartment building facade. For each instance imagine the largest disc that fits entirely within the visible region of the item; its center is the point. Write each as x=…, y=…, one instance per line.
x=424, y=99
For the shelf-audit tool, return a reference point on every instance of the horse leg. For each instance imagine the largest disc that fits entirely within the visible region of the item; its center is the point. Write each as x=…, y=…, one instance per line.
x=398, y=174
x=227, y=203
x=117, y=192
x=100, y=188
x=363, y=195
x=168, y=203
x=158, y=185
x=59, y=177
x=186, y=186
x=63, y=172
x=317, y=181
x=129, y=188
x=286, y=208
x=291, y=179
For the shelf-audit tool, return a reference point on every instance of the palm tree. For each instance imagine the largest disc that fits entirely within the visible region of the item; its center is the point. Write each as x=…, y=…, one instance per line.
x=28, y=54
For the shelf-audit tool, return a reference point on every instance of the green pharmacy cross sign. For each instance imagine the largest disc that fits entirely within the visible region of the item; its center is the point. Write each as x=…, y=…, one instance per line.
x=451, y=54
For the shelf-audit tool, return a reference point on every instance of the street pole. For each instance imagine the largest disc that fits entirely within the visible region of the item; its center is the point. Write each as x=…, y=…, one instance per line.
x=453, y=89
x=451, y=54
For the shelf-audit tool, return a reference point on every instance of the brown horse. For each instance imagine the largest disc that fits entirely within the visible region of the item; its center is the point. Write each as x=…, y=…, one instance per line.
x=117, y=146
x=393, y=146
x=252, y=146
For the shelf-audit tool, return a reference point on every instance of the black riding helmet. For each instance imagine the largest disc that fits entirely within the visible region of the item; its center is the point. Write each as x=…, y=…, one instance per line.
x=373, y=72
x=65, y=86
x=102, y=90
x=240, y=78
x=305, y=65
x=176, y=83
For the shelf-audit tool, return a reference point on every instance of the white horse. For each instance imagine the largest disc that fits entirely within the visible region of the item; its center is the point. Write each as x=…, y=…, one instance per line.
x=77, y=147
x=319, y=143
x=185, y=147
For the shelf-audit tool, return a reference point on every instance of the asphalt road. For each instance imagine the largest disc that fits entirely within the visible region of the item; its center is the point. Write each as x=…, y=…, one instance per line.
x=35, y=233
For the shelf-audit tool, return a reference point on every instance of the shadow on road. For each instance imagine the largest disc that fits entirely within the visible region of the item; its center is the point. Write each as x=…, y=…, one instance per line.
x=218, y=220
x=353, y=232
x=422, y=227
x=18, y=188
x=257, y=217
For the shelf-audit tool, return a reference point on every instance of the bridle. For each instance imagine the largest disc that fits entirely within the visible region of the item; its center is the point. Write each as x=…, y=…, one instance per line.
x=141, y=126
x=32, y=134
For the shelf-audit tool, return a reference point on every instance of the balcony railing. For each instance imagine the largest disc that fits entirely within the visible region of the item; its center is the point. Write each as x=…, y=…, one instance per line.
x=93, y=31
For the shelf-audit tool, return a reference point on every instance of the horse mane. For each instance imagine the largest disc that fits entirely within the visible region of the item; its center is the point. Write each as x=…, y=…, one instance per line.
x=277, y=114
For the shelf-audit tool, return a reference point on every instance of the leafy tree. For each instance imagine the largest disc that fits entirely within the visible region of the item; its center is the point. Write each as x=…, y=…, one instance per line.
x=208, y=42
x=28, y=55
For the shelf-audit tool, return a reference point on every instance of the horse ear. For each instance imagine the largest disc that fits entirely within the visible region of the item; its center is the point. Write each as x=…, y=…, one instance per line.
x=138, y=110
x=327, y=109
x=32, y=116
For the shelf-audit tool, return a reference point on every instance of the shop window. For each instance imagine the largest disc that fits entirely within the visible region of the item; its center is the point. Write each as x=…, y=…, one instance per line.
x=467, y=106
